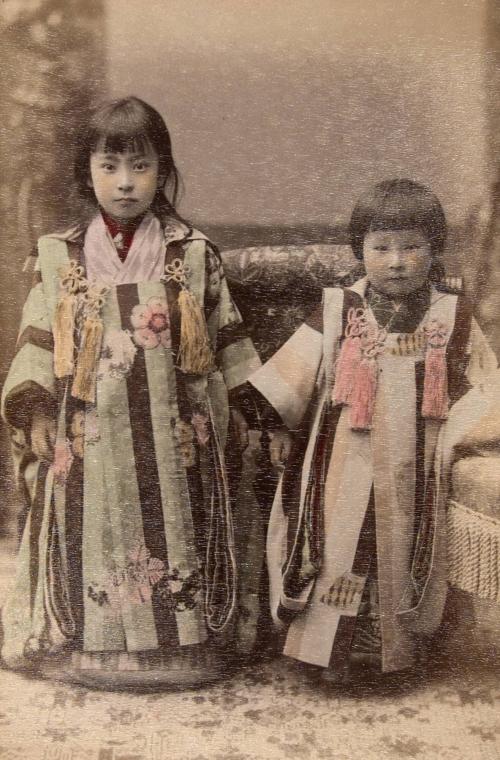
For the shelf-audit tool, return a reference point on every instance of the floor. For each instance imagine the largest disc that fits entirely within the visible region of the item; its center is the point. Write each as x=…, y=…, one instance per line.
x=269, y=711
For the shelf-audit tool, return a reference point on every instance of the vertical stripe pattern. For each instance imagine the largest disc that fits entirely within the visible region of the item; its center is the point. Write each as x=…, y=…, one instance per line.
x=145, y=462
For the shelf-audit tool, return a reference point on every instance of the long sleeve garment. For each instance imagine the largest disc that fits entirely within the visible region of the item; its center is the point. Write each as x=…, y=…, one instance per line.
x=128, y=541
x=357, y=525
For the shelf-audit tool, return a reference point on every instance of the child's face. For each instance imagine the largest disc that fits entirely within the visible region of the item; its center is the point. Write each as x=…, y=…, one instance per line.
x=397, y=262
x=124, y=184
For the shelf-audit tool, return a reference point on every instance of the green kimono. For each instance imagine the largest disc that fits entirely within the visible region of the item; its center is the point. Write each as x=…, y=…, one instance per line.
x=127, y=556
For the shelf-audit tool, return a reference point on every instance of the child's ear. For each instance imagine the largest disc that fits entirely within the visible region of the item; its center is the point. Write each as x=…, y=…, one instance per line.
x=89, y=182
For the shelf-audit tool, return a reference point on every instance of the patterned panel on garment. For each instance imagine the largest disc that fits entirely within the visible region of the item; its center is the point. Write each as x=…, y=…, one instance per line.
x=345, y=593
x=406, y=344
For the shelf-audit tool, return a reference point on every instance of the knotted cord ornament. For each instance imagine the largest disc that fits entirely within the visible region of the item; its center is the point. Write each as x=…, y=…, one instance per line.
x=73, y=282
x=177, y=272
x=356, y=373
x=435, y=399
x=84, y=382
x=349, y=358
x=195, y=352
x=362, y=398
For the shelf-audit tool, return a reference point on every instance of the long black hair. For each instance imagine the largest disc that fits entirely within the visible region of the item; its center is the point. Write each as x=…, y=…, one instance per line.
x=127, y=124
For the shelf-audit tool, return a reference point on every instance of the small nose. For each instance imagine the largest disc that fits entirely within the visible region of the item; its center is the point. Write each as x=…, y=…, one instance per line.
x=125, y=179
x=397, y=259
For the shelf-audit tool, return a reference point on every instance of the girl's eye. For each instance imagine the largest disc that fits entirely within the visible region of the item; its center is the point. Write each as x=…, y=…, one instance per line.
x=107, y=167
x=141, y=166
x=380, y=248
x=412, y=247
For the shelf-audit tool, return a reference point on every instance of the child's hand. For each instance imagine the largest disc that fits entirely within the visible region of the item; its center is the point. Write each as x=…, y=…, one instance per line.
x=43, y=437
x=240, y=427
x=280, y=445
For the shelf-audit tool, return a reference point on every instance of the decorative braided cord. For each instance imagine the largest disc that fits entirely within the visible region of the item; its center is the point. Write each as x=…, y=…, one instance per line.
x=473, y=552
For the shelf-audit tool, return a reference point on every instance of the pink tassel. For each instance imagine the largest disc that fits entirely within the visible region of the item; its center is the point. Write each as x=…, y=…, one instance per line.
x=362, y=399
x=347, y=367
x=435, y=400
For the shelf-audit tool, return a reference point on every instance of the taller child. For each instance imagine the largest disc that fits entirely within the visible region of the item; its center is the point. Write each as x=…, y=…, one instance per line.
x=118, y=402
x=356, y=540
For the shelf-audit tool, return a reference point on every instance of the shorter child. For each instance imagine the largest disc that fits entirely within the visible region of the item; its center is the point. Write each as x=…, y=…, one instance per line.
x=356, y=537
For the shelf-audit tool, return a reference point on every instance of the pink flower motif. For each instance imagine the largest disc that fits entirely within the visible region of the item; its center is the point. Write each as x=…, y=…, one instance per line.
x=63, y=459
x=143, y=573
x=152, y=323
x=117, y=355
x=140, y=592
x=200, y=424
x=92, y=426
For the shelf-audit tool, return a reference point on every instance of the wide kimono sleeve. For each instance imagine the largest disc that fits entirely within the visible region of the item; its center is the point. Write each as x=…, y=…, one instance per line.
x=473, y=425
x=482, y=361
x=30, y=382
x=235, y=354
x=474, y=378
x=287, y=380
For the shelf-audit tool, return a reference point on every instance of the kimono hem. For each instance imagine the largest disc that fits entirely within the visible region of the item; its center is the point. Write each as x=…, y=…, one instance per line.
x=127, y=550
x=357, y=510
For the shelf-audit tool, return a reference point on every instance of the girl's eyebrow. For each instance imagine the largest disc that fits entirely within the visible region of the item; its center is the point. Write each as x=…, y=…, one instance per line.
x=133, y=156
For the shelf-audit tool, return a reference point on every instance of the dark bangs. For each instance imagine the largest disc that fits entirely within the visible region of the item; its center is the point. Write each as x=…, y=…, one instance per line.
x=398, y=204
x=115, y=142
x=128, y=124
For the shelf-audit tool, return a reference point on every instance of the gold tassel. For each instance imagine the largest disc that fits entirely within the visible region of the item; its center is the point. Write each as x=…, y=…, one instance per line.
x=73, y=283
x=64, y=326
x=195, y=352
x=84, y=382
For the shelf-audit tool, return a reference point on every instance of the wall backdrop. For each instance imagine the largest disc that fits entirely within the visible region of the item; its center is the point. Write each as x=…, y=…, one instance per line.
x=282, y=112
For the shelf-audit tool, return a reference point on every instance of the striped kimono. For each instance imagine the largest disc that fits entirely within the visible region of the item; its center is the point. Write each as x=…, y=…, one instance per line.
x=127, y=549
x=356, y=538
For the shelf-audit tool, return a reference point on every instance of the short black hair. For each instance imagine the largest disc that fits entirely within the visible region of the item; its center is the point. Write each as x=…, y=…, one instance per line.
x=398, y=204
x=127, y=124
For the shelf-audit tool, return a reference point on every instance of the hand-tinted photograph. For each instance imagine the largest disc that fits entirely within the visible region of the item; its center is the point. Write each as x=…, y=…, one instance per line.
x=250, y=396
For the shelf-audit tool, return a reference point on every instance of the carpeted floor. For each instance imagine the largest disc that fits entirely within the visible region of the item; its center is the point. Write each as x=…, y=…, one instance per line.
x=270, y=711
